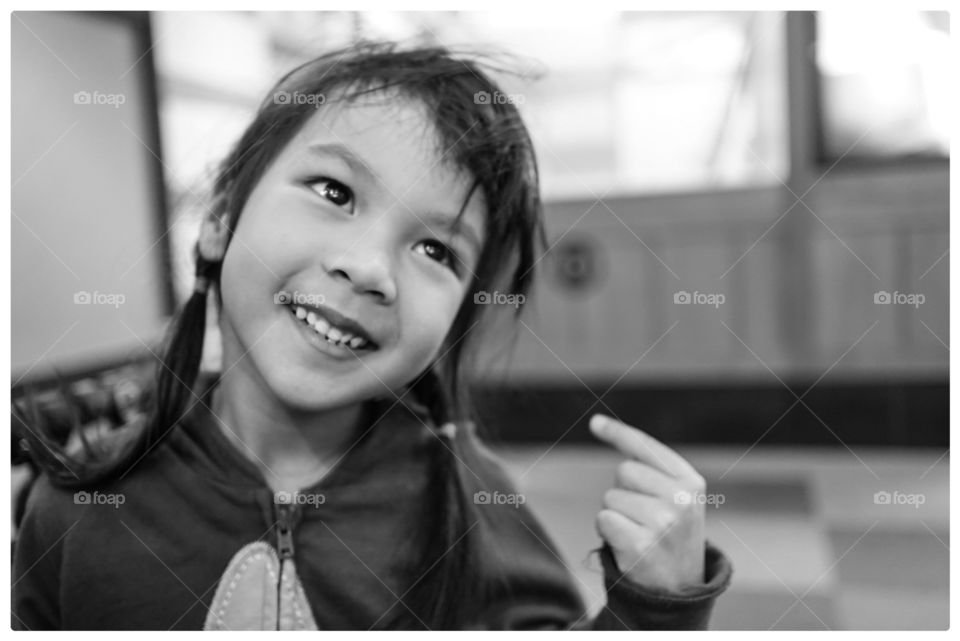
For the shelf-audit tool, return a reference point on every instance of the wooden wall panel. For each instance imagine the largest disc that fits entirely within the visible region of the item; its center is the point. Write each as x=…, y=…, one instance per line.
x=865, y=234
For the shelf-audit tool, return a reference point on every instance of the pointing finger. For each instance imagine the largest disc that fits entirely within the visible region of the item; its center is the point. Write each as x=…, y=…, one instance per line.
x=637, y=444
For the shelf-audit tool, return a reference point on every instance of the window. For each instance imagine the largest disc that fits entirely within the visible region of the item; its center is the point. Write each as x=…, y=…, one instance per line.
x=884, y=84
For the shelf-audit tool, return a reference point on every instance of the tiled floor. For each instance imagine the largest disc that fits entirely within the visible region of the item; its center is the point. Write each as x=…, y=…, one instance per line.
x=811, y=548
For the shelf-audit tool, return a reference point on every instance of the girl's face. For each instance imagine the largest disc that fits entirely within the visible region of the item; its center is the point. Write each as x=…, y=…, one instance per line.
x=355, y=215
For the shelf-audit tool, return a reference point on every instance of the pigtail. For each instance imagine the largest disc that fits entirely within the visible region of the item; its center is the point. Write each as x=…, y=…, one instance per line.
x=445, y=581
x=461, y=584
x=448, y=586
x=180, y=364
x=41, y=436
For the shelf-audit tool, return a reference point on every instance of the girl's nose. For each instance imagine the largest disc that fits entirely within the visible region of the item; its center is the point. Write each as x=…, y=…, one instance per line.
x=366, y=272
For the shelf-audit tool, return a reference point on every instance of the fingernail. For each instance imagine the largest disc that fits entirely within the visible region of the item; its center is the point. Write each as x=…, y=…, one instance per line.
x=598, y=423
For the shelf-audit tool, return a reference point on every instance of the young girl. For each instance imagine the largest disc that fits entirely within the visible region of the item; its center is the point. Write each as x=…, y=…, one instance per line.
x=329, y=475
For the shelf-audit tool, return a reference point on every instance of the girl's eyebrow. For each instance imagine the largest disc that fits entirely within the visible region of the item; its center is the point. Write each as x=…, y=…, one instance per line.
x=344, y=153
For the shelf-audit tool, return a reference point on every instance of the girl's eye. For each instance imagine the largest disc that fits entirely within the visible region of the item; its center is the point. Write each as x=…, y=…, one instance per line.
x=442, y=254
x=334, y=191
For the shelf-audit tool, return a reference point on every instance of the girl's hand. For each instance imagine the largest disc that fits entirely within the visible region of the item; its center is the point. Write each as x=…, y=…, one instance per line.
x=653, y=518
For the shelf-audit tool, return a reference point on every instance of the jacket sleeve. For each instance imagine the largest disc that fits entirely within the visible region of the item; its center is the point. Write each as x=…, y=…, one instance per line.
x=631, y=606
x=37, y=554
x=538, y=589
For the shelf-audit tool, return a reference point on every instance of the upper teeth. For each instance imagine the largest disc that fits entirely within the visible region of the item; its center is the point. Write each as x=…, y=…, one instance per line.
x=333, y=334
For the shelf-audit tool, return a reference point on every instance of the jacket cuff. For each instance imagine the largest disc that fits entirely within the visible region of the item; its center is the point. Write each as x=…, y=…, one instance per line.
x=642, y=607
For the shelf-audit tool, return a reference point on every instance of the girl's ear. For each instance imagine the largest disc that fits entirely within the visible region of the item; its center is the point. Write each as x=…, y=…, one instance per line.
x=214, y=234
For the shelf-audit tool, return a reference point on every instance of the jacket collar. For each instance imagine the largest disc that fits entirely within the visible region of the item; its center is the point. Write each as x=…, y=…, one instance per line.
x=392, y=436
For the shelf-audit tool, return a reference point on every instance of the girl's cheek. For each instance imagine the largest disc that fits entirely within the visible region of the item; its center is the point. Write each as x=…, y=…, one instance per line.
x=429, y=316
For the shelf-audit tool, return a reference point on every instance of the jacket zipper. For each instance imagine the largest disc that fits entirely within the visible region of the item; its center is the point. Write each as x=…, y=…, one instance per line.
x=284, y=548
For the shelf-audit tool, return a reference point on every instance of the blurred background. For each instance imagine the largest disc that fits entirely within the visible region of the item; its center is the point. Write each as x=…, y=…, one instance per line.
x=747, y=215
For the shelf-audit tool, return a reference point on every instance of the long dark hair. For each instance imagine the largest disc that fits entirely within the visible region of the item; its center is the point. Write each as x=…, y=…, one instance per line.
x=487, y=139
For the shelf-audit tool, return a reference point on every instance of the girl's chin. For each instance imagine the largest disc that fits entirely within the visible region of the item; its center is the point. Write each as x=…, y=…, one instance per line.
x=322, y=395
x=309, y=387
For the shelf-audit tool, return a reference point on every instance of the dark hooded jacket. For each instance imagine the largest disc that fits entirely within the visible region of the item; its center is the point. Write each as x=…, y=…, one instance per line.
x=193, y=538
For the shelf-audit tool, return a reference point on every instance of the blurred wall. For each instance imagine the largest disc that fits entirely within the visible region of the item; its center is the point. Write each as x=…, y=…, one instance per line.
x=796, y=299
x=87, y=237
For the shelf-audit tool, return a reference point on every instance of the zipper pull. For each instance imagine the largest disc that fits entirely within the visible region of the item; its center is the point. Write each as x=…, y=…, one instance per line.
x=285, y=521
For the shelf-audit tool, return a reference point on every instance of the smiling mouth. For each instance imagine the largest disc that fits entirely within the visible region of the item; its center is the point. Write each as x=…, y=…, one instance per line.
x=333, y=335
